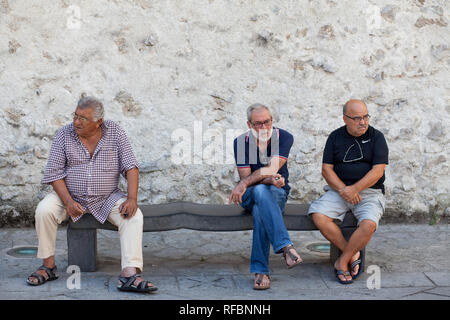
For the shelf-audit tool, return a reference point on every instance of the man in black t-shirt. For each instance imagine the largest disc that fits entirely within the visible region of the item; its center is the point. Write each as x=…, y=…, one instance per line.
x=353, y=165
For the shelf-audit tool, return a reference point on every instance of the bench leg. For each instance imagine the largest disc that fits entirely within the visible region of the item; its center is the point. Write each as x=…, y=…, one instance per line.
x=335, y=252
x=82, y=248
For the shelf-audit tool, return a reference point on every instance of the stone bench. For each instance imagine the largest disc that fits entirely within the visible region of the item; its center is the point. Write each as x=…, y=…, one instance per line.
x=82, y=235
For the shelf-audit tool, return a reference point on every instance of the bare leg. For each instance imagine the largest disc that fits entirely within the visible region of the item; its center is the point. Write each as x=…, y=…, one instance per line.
x=333, y=233
x=359, y=239
x=329, y=230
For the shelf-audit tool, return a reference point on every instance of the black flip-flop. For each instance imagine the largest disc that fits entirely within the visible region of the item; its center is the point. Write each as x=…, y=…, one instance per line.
x=342, y=273
x=354, y=264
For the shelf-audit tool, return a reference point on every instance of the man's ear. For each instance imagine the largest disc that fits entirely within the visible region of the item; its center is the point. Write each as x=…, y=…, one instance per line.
x=99, y=123
x=249, y=124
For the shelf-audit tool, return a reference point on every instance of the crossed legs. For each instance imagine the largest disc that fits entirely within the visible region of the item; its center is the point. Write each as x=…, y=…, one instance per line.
x=267, y=205
x=350, y=249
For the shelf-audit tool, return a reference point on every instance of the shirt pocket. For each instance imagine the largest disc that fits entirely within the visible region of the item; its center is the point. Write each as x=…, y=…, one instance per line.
x=76, y=156
x=108, y=159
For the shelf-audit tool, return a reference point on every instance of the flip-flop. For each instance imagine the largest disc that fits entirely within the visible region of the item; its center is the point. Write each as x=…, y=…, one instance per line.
x=342, y=273
x=356, y=263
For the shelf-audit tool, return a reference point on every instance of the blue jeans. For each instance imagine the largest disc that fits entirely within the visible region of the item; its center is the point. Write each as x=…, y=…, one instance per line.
x=266, y=202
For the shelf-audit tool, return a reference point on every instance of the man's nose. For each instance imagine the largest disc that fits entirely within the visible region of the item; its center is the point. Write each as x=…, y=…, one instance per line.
x=76, y=121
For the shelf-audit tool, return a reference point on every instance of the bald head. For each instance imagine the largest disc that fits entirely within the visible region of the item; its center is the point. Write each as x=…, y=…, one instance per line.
x=354, y=105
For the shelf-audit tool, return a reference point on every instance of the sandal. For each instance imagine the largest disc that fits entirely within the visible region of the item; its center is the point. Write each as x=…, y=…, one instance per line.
x=41, y=279
x=296, y=258
x=355, y=263
x=258, y=282
x=127, y=284
x=342, y=273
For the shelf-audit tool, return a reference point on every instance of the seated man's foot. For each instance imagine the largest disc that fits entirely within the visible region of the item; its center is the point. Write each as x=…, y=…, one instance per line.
x=291, y=256
x=342, y=273
x=355, y=265
x=262, y=281
x=42, y=275
x=135, y=283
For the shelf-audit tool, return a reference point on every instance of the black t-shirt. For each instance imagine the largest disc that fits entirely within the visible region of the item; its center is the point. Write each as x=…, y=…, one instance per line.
x=248, y=155
x=352, y=157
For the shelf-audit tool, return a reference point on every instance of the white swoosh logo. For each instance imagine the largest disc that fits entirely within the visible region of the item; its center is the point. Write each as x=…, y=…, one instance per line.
x=365, y=141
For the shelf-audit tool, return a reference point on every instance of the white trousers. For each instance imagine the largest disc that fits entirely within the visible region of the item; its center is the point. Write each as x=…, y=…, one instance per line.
x=51, y=211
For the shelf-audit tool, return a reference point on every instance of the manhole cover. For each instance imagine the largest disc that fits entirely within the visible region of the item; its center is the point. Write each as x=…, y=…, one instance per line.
x=321, y=247
x=22, y=252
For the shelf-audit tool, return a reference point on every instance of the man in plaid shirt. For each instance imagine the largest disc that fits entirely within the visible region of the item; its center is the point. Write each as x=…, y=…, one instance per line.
x=86, y=160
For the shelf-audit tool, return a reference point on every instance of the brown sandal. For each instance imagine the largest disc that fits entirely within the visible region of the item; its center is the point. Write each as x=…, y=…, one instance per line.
x=258, y=282
x=296, y=258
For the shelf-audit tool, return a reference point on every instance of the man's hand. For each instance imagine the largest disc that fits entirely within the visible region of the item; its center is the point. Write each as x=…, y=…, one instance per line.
x=237, y=193
x=73, y=208
x=350, y=194
x=278, y=180
x=128, y=208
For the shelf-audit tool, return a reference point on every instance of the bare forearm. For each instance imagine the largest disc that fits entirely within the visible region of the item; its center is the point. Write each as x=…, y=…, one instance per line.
x=332, y=179
x=258, y=176
x=61, y=190
x=133, y=183
x=370, y=178
x=266, y=181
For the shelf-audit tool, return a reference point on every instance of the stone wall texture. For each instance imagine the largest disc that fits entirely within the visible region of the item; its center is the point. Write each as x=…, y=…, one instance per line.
x=173, y=71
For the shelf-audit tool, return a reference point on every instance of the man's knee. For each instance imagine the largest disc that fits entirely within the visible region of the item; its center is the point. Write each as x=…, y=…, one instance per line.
x=368, y=226
x=42, y=210
x=260, y=191
x=277, y=192
x=319, y=218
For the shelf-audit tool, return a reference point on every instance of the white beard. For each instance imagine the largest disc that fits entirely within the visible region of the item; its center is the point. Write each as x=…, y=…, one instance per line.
x=264, y=135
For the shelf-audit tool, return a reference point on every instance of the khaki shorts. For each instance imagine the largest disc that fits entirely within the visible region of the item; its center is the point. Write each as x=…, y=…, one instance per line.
x=332, y=205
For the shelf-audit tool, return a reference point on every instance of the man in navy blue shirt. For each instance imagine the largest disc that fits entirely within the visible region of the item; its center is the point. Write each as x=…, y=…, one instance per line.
x=353, y=165
x=261, y=156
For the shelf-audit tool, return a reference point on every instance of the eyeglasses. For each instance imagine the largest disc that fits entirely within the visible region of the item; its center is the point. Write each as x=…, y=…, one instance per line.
x=358, y=119
x=261, y=124
x=82, y=119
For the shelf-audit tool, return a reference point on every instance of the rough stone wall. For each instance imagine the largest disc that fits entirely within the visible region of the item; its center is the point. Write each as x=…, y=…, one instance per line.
x=168, y=68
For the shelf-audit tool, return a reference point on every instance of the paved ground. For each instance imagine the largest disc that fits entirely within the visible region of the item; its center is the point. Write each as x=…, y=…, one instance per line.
x=413, y=262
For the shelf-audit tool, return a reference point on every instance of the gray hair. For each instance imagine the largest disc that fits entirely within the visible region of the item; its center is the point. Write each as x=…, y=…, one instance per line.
x=94, y=103
x=255, y=106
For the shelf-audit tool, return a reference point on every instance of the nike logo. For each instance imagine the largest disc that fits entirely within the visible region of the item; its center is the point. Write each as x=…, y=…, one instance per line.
x=365, y=141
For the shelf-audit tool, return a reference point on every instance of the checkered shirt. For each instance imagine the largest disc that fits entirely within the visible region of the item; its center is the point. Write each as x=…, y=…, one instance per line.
x=91, y=181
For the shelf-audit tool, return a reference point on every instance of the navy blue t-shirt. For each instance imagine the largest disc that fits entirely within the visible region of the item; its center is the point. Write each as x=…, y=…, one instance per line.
x=248, y=155
x=352, y=157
